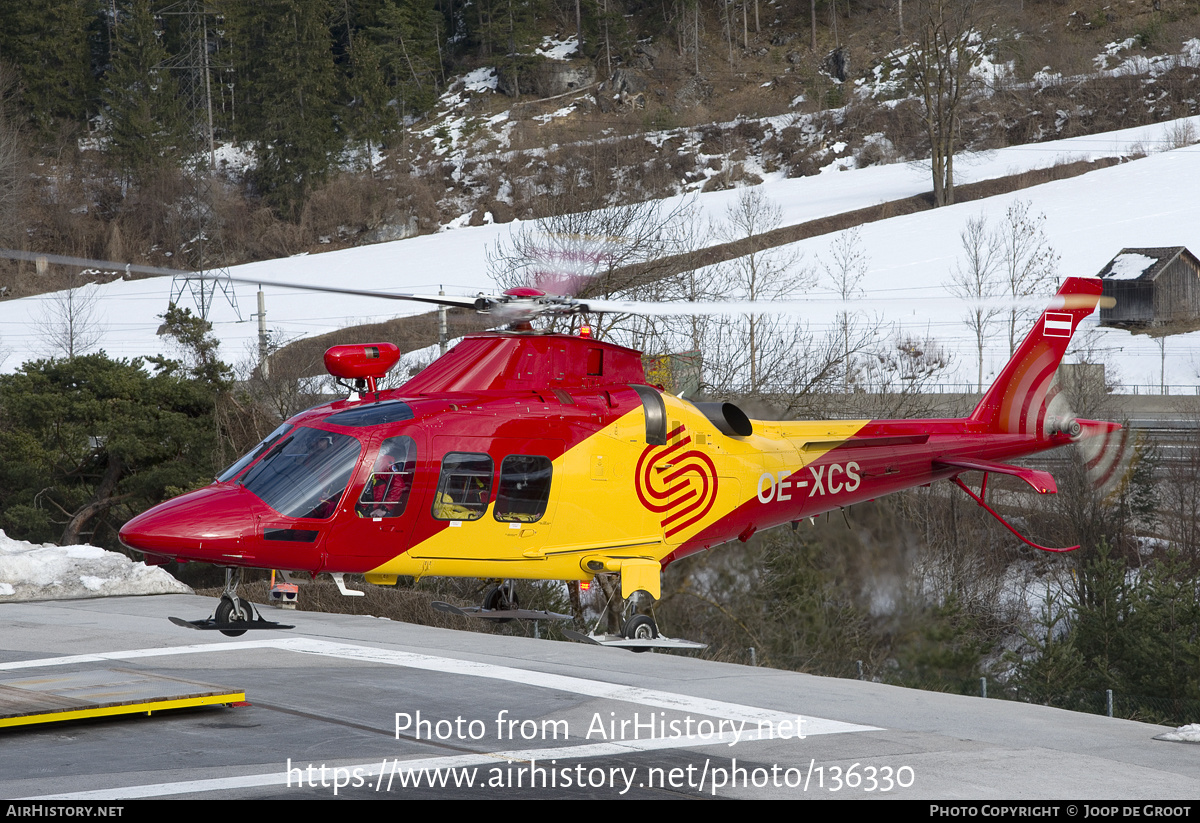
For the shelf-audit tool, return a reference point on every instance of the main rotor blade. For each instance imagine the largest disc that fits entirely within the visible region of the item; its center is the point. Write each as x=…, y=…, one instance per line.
x=436, y=299
x=532, y=307
x=86, y=263
x=109, y=265
x=691, y=308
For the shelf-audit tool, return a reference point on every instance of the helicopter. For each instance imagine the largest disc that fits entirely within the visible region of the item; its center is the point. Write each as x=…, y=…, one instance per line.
x=526, y=455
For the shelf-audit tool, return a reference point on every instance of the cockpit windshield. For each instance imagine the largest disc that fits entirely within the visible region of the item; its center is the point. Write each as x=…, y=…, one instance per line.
x=305, y=474
x=252, y=455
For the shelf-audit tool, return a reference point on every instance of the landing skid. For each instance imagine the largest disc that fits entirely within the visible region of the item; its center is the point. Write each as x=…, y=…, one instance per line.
x=234, y=615
x=497, y=614
x=616, y=641
x=238, y=626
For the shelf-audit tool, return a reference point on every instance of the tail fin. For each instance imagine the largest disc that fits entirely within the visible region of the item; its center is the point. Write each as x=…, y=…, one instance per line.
x=1016, y=402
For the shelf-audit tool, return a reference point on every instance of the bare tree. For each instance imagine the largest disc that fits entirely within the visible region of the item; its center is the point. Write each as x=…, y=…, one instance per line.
x=950, y=46
x=670, y=334
x=1030, y=264
x=768, y=357
x=896, y=377
x=70, y=326
x=763, y=274
x=957, y=557
x=974, y=279
x=618, y=253
x=292, y=383
x=844, y=270
x=594, y=253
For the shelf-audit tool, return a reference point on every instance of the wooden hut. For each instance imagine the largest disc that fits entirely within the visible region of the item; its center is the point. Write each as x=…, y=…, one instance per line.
x=1157, y=291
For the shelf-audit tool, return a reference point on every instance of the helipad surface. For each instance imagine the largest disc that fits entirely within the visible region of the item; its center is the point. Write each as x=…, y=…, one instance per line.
x=361, y=707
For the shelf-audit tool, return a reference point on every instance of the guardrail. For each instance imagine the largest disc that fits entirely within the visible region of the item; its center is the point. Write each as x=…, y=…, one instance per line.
x=1168, y=389
x=1155, y=390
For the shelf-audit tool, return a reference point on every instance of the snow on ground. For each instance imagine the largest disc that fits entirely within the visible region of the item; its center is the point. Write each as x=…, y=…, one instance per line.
x=556, y=49
x=1089, y=219
x=565, y=111
x=1184, y=734
x=233, y=160
x=49, y=572
x=481, y=80
x=1123, y=57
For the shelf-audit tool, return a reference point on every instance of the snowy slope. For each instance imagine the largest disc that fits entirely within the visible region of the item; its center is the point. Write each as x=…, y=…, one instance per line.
x=1089, y=219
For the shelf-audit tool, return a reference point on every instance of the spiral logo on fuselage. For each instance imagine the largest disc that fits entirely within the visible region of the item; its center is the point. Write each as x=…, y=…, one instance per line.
x=677, y=481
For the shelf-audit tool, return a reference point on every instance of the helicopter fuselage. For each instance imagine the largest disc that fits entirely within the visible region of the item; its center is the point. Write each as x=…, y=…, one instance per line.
x=541, y=456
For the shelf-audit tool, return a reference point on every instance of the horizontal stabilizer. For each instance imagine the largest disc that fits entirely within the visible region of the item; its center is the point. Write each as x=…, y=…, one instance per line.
x=1042, y=482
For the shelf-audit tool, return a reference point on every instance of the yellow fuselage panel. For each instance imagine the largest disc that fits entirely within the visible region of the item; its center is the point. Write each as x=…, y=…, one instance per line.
x=612, y=495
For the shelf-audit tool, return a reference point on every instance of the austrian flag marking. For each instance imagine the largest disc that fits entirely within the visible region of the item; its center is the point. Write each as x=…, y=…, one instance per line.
x=1057, y=324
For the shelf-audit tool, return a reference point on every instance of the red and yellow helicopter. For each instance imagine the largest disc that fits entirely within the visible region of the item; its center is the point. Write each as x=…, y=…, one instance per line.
x=527, y=455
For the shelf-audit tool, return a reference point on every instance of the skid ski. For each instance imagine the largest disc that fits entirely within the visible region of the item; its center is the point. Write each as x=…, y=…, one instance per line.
x=497, y=614
x=616, y=641
x=234, y=626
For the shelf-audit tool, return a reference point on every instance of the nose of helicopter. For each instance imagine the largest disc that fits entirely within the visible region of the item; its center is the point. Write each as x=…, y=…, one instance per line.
x=202, y=525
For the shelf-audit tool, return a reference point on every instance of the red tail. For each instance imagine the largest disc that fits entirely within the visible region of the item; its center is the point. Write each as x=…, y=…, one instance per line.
x=1016, y=402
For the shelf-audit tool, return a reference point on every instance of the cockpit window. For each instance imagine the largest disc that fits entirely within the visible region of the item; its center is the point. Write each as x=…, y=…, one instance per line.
x=389, y=411
x=305, y=475
x=386, y=493
x=252, y=455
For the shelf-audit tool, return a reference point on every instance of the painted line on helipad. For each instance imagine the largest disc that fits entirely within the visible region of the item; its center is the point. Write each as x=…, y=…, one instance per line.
x=751, y=715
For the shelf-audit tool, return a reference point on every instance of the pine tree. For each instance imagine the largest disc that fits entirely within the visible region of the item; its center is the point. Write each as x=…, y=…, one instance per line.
x=194, y=339
x=813, y=620
x=1053, y=666
x=606, y=34
x=1103, y=600
x=1163, y=650
x=49, y=43
x=143, y=117
x=288, y=82
x=504, y=30
x=408, y=37
x=519, y=26
x=940, y=648
x=371, y=118
x=86, y=443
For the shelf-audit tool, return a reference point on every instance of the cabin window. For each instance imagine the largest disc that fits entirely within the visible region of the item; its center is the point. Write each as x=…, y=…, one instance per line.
x=524, y=489
x=386, y=493
x=305, y=474
x=464, y=488
x=595, y=362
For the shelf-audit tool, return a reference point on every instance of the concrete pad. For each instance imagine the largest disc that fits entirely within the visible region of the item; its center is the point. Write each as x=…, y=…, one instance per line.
x=481, y=716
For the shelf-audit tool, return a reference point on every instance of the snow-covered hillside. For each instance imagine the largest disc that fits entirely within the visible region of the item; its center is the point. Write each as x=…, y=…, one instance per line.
x=1088, y=220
